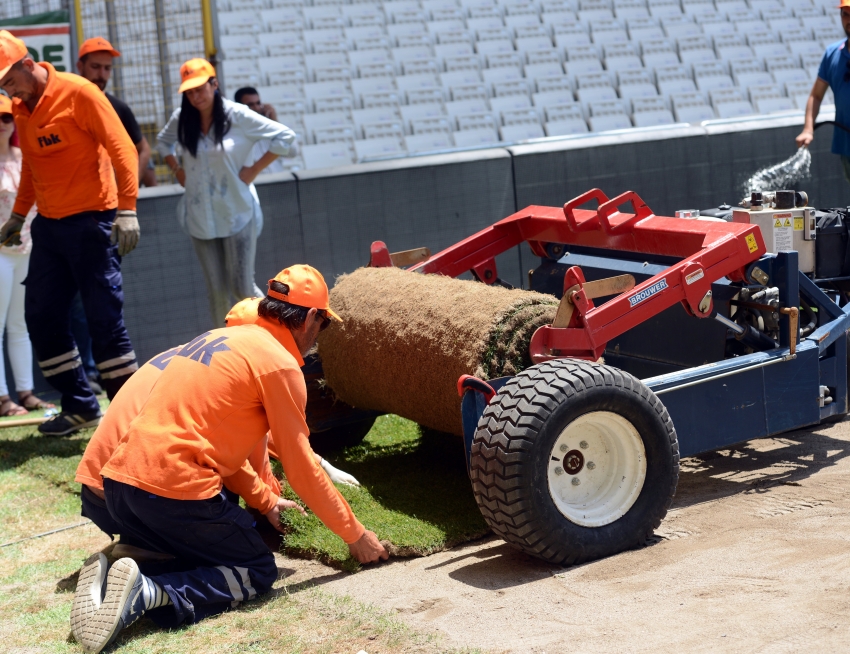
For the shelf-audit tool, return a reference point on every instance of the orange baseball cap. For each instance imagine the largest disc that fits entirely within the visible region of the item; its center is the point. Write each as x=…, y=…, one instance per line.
x=5, y=104
x=97, y=44
x=844, y=3
x=12, y=50
x=243, y=313
x=194, y=73
x=307, y=288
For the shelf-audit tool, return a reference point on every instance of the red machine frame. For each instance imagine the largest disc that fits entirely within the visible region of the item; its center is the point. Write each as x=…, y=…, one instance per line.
x=708, y=251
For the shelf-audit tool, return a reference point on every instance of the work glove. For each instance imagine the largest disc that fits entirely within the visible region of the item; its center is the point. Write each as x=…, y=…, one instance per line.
x=10, y=232
x=125, y=231
x=338, y=476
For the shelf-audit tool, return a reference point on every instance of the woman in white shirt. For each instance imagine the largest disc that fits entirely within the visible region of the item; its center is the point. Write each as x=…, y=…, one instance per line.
x=220, y=210
x=14, y=263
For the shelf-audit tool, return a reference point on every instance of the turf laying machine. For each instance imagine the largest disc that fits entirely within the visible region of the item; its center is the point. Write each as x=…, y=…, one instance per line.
x=646, y=338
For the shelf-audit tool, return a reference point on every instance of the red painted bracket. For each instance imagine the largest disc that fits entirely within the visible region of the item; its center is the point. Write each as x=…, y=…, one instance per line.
x=379, y=255
x=486, y=272
x=607, y=210
x=468, y=382
x=589, y=223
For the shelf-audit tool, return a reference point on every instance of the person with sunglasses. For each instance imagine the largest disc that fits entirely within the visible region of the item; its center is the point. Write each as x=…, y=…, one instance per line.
x=214, y=401
x=834, y=73
x=14, y=262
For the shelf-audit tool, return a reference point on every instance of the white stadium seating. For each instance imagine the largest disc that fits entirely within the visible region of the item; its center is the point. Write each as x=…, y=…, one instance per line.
x=361, y=81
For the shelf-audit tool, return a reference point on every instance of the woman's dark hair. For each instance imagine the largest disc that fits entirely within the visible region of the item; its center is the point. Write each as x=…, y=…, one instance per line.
x=189, y=123
x=290, y=315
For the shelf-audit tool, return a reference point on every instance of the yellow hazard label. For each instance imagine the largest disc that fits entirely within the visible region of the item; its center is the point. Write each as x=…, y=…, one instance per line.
x=777, y=223
x=787, y=223
x=751, y=242
x=798, y=224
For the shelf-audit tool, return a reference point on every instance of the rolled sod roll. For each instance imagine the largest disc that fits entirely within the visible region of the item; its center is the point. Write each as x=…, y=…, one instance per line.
x=406, y=338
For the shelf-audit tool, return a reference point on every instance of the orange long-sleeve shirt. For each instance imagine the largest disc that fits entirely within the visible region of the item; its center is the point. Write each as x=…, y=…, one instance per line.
x=250, y=481
x=213, y=403
x=75, y=148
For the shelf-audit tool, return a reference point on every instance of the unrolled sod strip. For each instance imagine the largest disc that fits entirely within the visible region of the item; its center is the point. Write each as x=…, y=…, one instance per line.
x=407, y=338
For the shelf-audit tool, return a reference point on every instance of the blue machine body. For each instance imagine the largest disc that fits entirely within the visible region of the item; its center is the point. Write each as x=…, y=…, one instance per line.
x=716, y=402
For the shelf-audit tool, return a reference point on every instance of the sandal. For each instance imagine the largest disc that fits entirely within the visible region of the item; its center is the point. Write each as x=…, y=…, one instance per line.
x=9, y=408
x=31, y=402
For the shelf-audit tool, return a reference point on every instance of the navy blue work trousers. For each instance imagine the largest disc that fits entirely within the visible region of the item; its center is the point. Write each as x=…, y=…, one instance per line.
x=73, y=255
x=232, y=563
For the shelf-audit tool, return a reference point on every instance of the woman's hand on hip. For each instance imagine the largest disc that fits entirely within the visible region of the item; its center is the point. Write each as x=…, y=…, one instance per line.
x=248, y=174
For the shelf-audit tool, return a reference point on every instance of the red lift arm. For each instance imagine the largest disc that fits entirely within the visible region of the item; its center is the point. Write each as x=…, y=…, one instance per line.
x=708, y=251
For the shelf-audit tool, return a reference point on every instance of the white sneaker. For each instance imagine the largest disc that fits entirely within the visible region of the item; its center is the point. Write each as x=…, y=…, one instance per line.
x=91, y=585
x=122, y=605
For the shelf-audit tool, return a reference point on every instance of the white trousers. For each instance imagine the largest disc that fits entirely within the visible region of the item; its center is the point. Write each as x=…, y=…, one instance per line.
x=13, y=271
x=228, y=265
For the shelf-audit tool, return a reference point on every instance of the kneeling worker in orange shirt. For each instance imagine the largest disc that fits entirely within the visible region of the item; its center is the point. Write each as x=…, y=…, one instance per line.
x=213, y=403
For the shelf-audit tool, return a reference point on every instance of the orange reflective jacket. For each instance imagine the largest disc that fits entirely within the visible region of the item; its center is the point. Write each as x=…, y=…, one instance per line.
x=249, y=482
x=212, y=404
x=71, y=143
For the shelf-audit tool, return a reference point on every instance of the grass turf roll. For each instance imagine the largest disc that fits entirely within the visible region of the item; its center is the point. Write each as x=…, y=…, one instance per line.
x=406, y=338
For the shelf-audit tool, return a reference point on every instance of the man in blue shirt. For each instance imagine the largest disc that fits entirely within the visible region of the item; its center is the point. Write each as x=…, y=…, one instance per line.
x=834, y=73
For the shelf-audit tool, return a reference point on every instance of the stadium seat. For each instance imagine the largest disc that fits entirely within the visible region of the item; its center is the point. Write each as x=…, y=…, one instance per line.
x=734, y=109
x=568, y=127
x=521, y=132
x=609, y=122
x=693, y=113
x=328, y=155
x=472, y=138
x=653, y=118
x=379, y=147
x=773, y=105
x=432, y=142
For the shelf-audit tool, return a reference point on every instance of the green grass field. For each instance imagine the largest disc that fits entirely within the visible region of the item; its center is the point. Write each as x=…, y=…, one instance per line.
x=415, y=495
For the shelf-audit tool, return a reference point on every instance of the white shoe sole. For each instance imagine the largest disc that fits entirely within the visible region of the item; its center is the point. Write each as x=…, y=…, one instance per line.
x=100, y=629
x=89, y=592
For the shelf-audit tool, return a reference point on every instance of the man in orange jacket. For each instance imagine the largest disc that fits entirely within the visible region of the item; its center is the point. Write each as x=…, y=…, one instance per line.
x=81, y=169
x=216, y=399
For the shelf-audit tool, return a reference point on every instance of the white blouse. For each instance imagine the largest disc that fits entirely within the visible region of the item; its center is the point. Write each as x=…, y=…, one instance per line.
x=218, y=204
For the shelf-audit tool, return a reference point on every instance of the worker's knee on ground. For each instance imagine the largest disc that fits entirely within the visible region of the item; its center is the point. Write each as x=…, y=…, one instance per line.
x=264, y=575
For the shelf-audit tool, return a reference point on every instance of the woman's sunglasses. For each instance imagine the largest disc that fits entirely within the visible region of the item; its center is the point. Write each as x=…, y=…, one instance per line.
x=7, y=118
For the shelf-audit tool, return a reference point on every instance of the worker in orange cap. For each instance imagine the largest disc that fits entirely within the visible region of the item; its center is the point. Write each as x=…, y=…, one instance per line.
x=94, y=62
x=213, y=403
x=254, y=481
x=834, y=72
x=81, y=168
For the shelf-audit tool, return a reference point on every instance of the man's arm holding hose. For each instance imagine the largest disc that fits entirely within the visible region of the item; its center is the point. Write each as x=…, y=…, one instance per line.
x=805, y=137
x=285, y=399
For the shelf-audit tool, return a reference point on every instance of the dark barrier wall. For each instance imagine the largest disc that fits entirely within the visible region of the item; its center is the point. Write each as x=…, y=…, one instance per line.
x=329, y=218
x=690, y=168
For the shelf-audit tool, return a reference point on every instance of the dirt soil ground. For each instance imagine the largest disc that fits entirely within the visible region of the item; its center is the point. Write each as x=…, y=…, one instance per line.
x=753, y=557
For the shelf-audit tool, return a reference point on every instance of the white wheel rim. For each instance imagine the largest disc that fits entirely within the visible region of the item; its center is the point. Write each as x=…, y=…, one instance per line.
x=596, y=469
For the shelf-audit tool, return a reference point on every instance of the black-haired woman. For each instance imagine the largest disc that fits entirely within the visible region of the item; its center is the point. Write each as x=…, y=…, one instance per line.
x=220, y=210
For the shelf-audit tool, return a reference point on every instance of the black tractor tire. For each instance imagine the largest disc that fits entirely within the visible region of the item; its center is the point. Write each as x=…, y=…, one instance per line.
x=338, y=438
x=510, y=461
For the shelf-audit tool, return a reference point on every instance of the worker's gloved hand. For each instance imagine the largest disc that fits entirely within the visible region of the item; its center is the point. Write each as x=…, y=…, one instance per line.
x=338, y=476
x=10, y=232
x=125, y=231
x=282, y=505
x=368, y=549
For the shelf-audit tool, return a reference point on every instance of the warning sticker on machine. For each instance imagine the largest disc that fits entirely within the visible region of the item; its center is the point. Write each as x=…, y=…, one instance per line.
x=783, y=232
x=798, y=224
x=752, y=246
x=647, y=293
x=694, y=276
